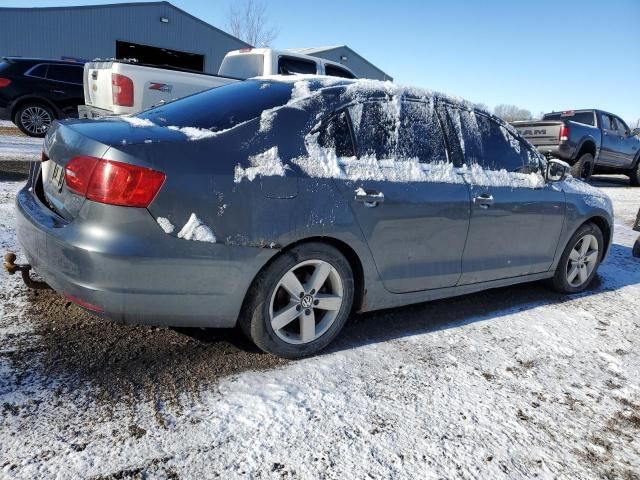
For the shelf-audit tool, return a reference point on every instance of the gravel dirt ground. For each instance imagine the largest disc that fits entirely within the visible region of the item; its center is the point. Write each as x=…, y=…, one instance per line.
x=518, y=382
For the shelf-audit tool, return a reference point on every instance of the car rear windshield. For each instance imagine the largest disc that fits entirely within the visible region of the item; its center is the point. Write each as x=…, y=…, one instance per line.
x=242, y=66
x=222, y=107
x=580, y=117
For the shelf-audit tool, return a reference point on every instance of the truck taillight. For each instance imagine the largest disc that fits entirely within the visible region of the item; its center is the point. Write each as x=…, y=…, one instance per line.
x=5, y=82
x=122, y=90
x=113, y=183
x=564, y=133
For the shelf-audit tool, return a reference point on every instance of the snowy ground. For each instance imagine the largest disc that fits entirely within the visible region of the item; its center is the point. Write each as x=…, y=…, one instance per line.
x=16, y=146
x=511, y=383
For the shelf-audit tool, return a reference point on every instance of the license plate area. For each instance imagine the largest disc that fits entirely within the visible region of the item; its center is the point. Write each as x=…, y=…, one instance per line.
x=57, y=177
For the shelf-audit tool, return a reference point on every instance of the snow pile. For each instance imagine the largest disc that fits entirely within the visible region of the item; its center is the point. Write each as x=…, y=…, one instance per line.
x=138, y=122
x=165, y=224
x=196, y=230
x=265, y=164
x=194, y=133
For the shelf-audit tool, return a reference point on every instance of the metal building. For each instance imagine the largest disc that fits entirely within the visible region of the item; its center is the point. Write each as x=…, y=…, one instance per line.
x=152, y=32
x=343, y=54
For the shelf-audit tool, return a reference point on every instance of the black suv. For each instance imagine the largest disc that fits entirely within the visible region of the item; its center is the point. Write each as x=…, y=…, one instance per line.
x=34, y=92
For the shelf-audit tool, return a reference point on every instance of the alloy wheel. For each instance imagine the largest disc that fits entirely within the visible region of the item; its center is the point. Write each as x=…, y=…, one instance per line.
x=36, y=120
x=583, y=260
x=306, y=302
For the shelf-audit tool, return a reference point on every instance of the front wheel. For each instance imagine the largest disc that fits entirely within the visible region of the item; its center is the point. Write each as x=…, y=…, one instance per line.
x=583, y=168
x=580, y=260
x=34, y=119
x=300, y=302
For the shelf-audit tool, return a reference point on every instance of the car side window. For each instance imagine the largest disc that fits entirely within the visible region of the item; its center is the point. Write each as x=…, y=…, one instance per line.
x=334, y=71
x=621, y=126
x=606, y=122
x=291, y=66
x=420, y=135
x=375, y=129
x=492, y=146
x=65, y=73
x=336, y=134
x=40, y=71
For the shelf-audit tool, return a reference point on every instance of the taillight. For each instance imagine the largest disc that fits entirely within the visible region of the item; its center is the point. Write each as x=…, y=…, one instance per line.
x=122, y=90
x=564, y=133
x=114, y=183
x=5, y=82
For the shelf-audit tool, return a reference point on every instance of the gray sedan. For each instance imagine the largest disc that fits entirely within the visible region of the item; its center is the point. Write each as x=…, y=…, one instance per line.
x=284, y=205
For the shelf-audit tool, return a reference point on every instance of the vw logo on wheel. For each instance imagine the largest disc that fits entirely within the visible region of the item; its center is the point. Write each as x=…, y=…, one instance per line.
x=307, y=301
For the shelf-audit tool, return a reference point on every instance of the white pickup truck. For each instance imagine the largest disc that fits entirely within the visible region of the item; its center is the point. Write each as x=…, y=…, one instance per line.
x=119, y=87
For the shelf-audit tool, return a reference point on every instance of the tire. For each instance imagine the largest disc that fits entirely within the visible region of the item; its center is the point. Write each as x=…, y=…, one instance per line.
x=634, y=175
x=34, y=119
x=575, y=272
x=583, y=168
x=270, y=298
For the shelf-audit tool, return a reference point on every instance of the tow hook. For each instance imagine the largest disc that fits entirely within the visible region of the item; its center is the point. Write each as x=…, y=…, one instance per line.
x=12, y=267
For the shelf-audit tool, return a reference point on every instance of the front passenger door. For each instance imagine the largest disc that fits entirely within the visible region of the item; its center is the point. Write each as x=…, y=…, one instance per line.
x=627, y=144
x=516, y=218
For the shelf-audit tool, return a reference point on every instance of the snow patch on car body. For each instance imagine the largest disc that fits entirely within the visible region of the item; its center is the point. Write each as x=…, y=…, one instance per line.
x=165, y=224
x=265, y=164
x=196, y=229
x=593, y=196
x=138, y=122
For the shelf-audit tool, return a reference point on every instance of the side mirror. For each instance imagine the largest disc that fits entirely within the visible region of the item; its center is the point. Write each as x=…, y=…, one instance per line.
x=557, y=170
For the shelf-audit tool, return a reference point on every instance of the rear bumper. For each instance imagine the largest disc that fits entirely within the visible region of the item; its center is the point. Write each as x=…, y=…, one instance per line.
x=562, y=151
x=135, y=272
x=87, y=111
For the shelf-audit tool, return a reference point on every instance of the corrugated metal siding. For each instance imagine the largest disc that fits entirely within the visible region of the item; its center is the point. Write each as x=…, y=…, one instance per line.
x=91, y=32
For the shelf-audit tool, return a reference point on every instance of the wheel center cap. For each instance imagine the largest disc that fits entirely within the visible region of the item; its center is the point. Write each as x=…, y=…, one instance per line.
x=307, y=301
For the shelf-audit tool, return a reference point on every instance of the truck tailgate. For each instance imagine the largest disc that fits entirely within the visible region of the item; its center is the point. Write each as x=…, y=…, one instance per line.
x=97, y=84
x=540, y=133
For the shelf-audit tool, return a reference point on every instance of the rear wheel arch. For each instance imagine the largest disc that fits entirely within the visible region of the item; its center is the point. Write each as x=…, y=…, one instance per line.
x=349, y=253
x=587, y=146
x=31, y=99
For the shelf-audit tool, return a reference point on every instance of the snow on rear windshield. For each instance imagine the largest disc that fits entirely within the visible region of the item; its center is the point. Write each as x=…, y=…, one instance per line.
x=579, y=117
x=220, y=108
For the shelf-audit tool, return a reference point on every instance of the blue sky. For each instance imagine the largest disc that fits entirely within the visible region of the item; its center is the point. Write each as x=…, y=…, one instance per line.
x=543, y=55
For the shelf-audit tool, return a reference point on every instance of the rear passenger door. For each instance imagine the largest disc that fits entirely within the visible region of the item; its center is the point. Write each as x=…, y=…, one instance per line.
x=65, y=87
x=609, y=147
x=516, y=218
x=411, y=206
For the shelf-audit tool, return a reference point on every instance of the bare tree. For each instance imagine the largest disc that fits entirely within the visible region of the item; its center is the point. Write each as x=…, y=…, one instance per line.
x=511, y=113
x=248, y=21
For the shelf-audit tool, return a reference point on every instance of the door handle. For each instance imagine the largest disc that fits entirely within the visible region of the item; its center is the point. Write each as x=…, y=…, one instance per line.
x=369, y=198
x=483, y=201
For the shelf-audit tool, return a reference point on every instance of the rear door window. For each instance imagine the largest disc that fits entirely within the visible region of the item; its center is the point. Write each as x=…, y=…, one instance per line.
x=408, y=130
x=492, y=146
x=334, y=71
x=65, y=73
x=292, y=66
x=607, y=122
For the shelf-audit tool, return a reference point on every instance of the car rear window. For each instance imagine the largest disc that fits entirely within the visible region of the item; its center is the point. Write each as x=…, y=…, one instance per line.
x=222, y=107
x=243, y=66
x=586, y=118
